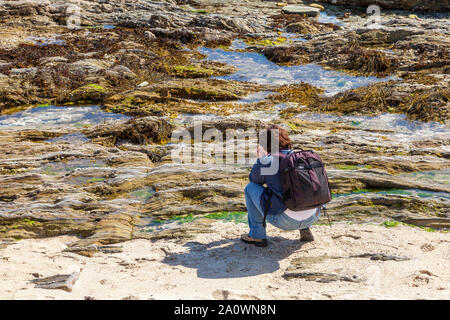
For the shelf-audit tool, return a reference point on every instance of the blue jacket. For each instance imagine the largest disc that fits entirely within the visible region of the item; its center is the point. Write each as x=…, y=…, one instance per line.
x=273, y=183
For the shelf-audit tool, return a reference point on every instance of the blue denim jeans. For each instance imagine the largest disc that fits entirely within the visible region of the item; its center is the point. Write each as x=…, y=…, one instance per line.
x=282, y=221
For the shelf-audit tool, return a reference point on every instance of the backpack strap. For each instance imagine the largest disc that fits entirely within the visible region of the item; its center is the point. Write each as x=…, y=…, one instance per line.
x=268, y=202
x=324, y=207
x=312, y=174
x=267, y=205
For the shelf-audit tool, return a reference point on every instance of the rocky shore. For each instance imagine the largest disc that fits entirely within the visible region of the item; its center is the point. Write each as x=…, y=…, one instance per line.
x=91, y=96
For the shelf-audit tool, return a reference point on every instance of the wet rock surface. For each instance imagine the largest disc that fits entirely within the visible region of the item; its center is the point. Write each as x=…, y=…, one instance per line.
x=440, y=5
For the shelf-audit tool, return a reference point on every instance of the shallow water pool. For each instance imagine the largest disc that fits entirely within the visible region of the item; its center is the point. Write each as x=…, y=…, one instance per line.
x=44, y=41
x=404, y=129
x=70, y=138
x=68, y=167
x=431, y=176
x=255, y=67
x=55, y=115
x=141, y=194
x=326, y=18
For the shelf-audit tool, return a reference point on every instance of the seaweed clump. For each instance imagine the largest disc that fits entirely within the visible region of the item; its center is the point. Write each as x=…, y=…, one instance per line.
x=424, y=104
x=138, y=131
x=430, y=105
x=370, y=62
x=349, y=55
x=302, y=93
x=286, y=55
x=365, y=100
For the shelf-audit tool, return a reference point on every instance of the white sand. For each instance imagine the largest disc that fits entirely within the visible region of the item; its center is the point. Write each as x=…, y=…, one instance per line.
x=218, y=265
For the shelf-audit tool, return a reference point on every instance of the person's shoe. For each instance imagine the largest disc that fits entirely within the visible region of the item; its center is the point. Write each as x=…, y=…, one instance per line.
x=306, y=235
x=257, y=242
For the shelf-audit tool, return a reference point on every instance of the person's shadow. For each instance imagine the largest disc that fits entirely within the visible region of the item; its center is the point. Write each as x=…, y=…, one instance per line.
x=234, y=258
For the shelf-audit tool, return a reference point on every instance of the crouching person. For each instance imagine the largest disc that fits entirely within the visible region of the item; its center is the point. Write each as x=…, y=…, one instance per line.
x=264, y=193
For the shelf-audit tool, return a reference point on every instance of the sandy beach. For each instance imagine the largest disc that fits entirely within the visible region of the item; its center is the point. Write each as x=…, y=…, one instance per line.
x=217, y=265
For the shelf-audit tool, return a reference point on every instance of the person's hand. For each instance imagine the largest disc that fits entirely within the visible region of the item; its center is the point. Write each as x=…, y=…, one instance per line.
x=260, y=152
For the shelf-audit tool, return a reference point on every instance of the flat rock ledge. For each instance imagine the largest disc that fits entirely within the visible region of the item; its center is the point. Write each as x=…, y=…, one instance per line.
x=297, y=9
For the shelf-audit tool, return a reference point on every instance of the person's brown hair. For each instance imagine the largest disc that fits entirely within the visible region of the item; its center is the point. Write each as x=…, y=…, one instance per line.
x=274, y=132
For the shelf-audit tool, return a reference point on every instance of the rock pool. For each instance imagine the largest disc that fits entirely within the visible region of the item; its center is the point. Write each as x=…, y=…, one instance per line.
x=44, y=116
x=255, y=67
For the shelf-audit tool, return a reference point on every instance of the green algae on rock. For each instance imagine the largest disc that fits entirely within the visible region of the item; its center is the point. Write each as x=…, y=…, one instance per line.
x=89, y=92
x=23, y=228
x=178, y=95
x=203, y=70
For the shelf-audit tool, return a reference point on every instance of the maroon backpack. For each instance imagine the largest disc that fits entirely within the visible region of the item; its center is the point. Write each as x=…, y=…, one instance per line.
x=304, y=180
